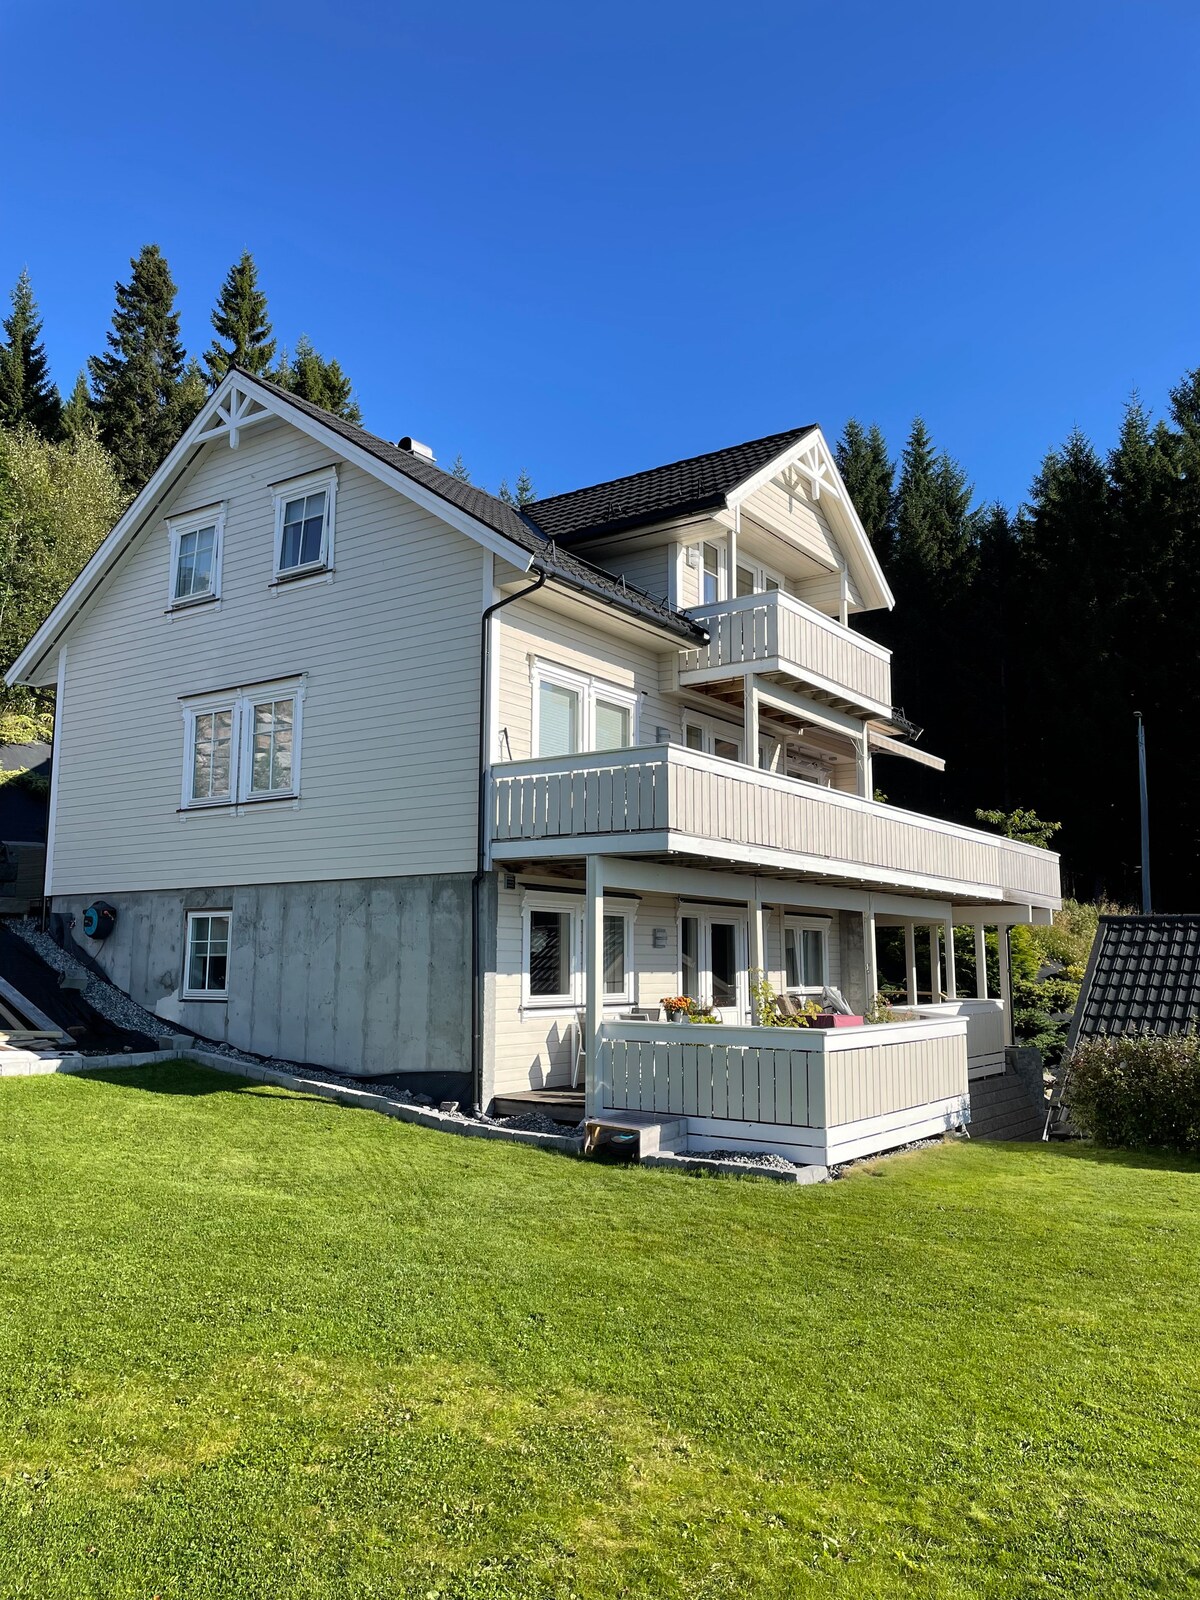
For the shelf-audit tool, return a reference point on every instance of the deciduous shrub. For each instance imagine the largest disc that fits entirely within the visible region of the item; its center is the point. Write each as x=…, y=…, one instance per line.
x=1137, y=1090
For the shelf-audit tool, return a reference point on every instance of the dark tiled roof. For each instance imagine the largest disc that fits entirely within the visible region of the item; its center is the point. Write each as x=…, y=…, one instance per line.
x=1143, y=977
x=696, y=484
x=505, y=520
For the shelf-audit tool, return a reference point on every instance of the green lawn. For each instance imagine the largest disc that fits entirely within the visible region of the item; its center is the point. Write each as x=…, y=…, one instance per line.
x=255, y=1345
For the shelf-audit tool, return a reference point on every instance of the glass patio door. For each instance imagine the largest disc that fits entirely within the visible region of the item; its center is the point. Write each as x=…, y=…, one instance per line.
x=726, y=969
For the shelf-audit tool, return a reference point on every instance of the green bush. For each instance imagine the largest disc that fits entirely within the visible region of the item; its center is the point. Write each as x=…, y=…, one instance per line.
x=1137, y=1090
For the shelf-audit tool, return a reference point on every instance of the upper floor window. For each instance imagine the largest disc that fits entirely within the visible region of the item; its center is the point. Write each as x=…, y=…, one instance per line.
x=243, y=744
x=755, y=579
x=573, y=712
x=304, y=522
x=196, y=556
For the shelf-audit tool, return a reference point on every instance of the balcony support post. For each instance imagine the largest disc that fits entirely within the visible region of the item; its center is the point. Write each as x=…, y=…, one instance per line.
x=870, y=957
x=981, y=984
x=951, y=986
x=734, y=534
x=593, y=983
x=935, y=964
x=865, y=775
x=758, y=944
x=910, y=960
x=750, y=708
x=1005, y=980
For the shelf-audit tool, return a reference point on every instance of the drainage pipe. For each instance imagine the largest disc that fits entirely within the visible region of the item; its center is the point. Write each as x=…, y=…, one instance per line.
x=481, y=843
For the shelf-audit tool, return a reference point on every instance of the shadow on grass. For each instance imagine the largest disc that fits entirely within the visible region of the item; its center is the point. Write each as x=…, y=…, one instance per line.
x=1097, y=1154
x=188, y=1079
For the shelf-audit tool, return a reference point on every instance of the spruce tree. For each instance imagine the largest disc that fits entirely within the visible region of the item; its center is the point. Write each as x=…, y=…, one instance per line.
x=78, y=415
x=869, y=476
x=310, y=377
x=240, y=319
x=136, y=383
x=27, y=395
x=524, y=492
x=459, y=469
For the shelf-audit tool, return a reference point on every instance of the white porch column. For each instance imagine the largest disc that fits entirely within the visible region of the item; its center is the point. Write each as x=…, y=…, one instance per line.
x=864, y=770
x=758, y=947
x=981, y=991
x=1005, y=981
x=732, y=546
x=870, y=959
x=593, y=982
x=750, y=720
x=910, y=960
x=935, y=963
x=951, y=989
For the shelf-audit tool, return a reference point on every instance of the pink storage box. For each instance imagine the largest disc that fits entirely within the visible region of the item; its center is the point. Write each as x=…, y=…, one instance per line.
x=835, y=1019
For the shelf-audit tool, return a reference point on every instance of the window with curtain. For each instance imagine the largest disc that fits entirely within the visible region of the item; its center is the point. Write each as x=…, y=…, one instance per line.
x=805, y=956
x=612, y=725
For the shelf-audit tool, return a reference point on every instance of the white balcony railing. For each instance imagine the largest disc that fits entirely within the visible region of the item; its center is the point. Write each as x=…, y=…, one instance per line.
x=777, y=633
x=665, y=797
x=826, y=1094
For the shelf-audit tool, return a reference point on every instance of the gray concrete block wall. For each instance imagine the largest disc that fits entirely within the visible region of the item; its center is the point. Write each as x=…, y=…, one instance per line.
x=852, y=951
x=371, y=976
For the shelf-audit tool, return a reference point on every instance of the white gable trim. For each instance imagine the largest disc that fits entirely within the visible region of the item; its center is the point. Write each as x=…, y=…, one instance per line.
x=812, y=459
x=237, y=403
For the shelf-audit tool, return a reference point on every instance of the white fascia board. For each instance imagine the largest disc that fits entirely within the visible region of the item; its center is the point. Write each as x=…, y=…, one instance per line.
x=162, y=480
x=860, y=545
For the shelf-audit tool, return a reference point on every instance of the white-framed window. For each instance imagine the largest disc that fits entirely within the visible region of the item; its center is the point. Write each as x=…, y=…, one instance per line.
x=243, y=744
x=573, y=712
x=552, y=938
x=206, y=956
x=753, y=578
x=304, y=524
x=806, y=954
x=196, y=543
x=717, y=738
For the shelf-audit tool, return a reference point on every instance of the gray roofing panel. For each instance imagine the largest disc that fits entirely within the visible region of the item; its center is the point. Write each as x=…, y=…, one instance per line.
x=694, y=484
x=1143, y=977
x=505, y=520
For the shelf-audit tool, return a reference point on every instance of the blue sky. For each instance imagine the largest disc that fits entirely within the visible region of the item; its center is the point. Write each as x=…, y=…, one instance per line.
x=585, y=240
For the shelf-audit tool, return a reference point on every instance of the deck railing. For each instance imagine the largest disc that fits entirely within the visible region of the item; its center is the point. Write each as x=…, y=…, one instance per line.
x=666, y=797
x=777, y=633
x=985, y=1031
x=798, y=1086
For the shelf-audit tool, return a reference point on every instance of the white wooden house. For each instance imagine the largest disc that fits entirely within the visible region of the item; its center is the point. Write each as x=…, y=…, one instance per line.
x=380, y=773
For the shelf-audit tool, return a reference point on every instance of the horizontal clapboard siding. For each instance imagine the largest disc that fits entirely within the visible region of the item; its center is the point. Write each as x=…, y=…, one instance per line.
x=390, y=648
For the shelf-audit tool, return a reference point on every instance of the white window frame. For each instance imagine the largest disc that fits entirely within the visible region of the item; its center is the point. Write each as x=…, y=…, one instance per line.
x=191, y=522
x=185, y=992
x=589, y=690
x=548, y=900
x=819, y=925
x=760, y=573
x=705, y=916
x=241, y=702
x=711, y=730
x=691, y=554
x=295, y=489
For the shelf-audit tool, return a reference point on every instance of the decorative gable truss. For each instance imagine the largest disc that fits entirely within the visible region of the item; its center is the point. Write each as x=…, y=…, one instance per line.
x=234, y=409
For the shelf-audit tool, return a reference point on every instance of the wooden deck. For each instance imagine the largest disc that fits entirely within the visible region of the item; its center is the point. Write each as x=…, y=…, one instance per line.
x=564, y=1105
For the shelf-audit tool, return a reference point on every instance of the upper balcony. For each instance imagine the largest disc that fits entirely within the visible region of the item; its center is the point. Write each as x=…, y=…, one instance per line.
x=776, y=634
x=665, y=799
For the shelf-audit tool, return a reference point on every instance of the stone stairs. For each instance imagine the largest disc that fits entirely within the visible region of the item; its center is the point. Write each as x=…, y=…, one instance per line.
x=1006, y=1107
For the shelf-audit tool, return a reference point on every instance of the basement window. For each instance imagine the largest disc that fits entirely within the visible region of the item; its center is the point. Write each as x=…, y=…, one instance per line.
x=206, y=962
x=552, y=936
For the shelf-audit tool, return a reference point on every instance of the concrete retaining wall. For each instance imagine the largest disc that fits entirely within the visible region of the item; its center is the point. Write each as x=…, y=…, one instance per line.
x=370, y=976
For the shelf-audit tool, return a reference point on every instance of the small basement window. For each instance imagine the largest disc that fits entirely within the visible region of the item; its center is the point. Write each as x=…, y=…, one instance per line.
x=304, y=518
x=206, y=962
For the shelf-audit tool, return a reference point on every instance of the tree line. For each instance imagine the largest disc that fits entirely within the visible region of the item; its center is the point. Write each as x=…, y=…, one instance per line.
x=1025, y=640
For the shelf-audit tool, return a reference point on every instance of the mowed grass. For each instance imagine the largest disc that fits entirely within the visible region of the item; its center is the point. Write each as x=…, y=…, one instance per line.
x=255, y=1345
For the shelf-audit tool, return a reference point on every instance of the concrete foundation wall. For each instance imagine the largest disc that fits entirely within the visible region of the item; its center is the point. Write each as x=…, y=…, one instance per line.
x=371, y=976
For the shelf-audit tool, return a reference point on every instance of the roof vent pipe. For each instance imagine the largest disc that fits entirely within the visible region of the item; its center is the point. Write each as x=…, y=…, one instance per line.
x=416, y=448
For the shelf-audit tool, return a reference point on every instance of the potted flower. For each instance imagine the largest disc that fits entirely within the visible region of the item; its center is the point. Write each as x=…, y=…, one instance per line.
x=677, y=1006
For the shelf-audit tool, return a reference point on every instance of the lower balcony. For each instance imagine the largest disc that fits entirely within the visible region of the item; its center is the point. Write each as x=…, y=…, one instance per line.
x=671, y=801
